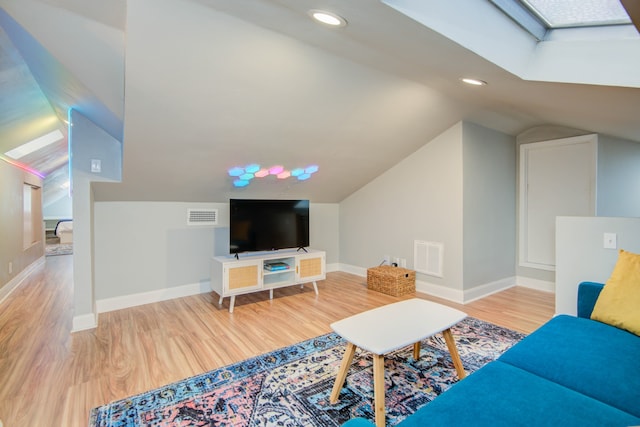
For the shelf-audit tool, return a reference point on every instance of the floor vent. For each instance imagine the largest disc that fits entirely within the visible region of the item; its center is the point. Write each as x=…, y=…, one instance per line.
x=427, y=257
x=202, y=216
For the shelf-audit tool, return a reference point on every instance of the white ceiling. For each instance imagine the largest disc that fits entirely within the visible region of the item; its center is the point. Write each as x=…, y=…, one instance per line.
x=211, y=84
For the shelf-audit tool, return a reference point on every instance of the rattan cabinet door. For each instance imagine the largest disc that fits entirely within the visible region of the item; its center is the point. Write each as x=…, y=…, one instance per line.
x=310, y=267
x=242, y=277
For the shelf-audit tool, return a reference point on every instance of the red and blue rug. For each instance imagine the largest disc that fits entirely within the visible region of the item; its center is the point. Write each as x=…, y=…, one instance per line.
x=291, y=386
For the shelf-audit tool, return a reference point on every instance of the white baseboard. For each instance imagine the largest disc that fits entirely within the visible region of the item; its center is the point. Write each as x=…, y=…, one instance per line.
x=89, y=321
x=444, y=292
x=352, y=269
x=126, y=301
x=467, y=296
x=6, y=290
x=454, y=295
x=330, y=268
x=487, y=289
x=440, y=291
x=541, y=285
x=84, y=322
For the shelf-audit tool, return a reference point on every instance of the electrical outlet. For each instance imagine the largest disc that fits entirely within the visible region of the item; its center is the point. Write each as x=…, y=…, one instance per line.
x=610, y=241
x=10, y=271
x=96, y=165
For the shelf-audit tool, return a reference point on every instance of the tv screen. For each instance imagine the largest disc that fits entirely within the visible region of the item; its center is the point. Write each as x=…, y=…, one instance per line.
x=266, y=225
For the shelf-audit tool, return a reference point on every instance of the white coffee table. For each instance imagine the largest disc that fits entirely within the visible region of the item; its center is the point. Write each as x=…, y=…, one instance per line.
x=388, y=328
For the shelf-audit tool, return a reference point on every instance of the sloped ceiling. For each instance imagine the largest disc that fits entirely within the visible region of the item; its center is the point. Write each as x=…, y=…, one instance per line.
x=212, y=84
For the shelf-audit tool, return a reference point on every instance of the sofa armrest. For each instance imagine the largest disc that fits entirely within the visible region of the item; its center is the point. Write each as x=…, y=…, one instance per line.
x=588, y=293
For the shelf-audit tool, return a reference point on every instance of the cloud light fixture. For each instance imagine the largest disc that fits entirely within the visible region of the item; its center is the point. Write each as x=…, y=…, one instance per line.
x=252, y=168
x=244, y=175
x=311, y=169
x=236, y=171
x=275, y=170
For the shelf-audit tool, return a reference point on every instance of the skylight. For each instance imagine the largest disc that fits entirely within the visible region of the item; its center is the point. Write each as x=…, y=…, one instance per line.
x=35, y=145
x=578, y=13
x=539, y=17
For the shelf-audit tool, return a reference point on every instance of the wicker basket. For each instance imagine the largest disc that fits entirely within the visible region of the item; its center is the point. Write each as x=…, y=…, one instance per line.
x=389, y=280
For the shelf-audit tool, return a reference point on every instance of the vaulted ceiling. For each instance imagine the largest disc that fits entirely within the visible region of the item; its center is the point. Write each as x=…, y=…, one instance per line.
x=195, y=87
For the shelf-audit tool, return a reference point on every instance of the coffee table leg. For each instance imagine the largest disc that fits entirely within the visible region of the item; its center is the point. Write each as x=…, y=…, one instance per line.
x=378, y=389
x=451, y=344
x=349, y=352
x=416, y=350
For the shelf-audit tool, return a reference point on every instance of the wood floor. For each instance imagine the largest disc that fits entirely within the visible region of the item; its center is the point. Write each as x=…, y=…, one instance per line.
x=49, y=377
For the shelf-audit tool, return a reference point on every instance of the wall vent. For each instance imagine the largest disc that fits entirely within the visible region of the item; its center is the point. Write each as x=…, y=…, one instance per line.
x=427, y=257
x=202, y=216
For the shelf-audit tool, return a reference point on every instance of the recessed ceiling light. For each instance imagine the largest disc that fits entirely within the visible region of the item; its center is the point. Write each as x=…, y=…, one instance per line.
x=473, y=82
x=328, y=18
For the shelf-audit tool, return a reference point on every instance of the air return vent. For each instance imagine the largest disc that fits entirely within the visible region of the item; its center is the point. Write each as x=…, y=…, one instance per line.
x=202, y=216
x=427, y=257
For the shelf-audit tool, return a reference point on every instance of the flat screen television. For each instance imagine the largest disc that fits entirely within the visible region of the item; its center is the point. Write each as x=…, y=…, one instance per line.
x=267, y=225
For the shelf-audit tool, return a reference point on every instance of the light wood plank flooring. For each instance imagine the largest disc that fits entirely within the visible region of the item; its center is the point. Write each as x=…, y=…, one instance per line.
x=49, y=377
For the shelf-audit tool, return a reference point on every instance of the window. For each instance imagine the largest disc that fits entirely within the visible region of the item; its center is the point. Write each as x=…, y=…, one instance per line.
x=578, y=13
x=540, y=16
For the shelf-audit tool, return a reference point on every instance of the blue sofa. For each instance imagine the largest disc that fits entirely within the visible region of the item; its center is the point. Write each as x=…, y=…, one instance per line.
x=572, y=371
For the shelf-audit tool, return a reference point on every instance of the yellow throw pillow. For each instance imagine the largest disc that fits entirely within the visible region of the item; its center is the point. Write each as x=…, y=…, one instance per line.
x=619, y=302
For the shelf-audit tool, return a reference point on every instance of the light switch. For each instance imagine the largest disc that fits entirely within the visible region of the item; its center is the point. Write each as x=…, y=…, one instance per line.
x=610, y=241
x=96, y=165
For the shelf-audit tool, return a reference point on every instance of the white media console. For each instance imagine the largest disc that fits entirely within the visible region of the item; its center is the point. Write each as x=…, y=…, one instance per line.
x=265, y=271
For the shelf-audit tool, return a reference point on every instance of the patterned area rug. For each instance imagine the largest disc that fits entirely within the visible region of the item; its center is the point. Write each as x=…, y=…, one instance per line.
x=58, y=249
x=291, y=386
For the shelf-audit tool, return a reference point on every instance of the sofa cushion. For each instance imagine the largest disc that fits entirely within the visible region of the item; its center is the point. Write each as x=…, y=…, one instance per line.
x=619, y=302
x=590, y=357
x=500, y=394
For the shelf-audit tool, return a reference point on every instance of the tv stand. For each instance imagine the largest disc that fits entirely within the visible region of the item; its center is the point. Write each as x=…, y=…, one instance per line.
x=231, y=276
x=302, y=249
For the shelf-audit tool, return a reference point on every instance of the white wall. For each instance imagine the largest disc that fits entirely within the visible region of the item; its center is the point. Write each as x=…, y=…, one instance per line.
x=420, y=198
x=69, y=36
x=324, y=232
x=83, y=255
x=459, y=190
x=147, y=246
x=145, y=251
x=618, y=181
x=60, y=209
x=88, y=141
x=537, y=134
x=580, y=255
x=489, y=220
x=14, y=258
x=618, y=177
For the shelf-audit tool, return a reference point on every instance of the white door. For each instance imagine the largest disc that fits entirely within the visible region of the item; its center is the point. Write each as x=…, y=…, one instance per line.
x=557, y=178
